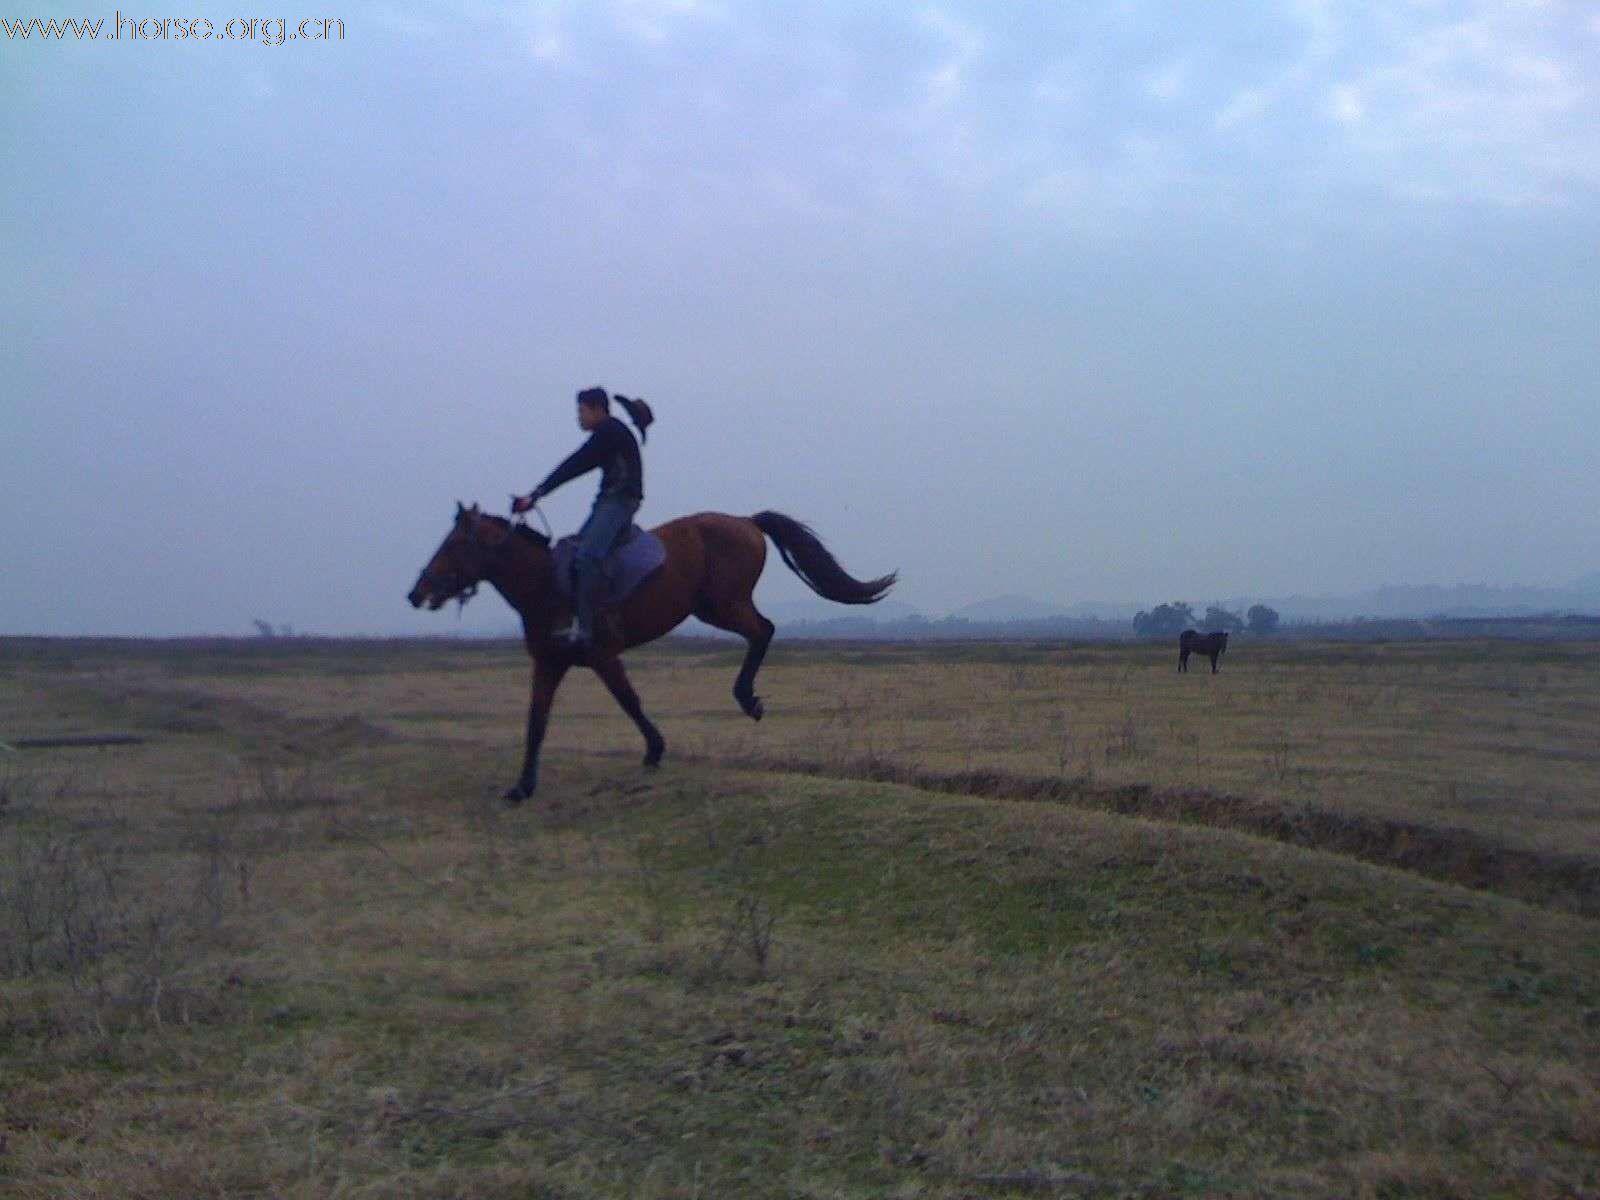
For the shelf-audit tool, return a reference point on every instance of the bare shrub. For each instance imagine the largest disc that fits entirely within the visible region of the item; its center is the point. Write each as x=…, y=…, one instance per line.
x=710, y=814
x=284, y=791
x=1280, y=755
x=62, y=900
x=18, y=785
x=1127, y=740
x=653, y=886
x=73, y=906
x=747, y=928
x=1066, y=744
x=740, y=944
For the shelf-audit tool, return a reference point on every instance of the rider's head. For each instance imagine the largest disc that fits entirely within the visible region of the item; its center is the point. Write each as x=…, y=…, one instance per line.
x=594, y=406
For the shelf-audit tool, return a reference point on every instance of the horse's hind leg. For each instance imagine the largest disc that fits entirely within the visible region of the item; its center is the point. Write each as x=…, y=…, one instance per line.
x=743, y=618
x=617, y=683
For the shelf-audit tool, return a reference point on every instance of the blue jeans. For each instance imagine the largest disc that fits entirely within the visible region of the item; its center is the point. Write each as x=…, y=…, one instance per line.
x=608, y=521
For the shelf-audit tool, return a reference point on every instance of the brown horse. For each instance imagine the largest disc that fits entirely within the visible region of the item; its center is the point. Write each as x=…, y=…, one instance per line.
x=713, y=562
x=1191, y=641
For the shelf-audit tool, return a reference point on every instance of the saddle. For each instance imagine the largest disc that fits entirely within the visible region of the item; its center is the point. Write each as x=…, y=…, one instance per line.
x=637, y=556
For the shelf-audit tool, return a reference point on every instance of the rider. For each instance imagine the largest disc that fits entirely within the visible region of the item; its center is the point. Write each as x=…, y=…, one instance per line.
x=612, y=448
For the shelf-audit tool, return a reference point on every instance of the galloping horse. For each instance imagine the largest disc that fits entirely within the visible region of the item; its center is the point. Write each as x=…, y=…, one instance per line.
x=712, y=565
x=1211, y=645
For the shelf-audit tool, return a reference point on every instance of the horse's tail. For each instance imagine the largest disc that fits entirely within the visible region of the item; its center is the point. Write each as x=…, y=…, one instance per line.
x=808, y=558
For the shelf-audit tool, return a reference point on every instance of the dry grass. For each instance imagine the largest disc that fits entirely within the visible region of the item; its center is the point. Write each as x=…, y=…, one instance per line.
x=328, y=966
x=1492, y=737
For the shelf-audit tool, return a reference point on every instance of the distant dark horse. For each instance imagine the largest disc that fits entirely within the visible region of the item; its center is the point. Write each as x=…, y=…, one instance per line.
x=713, y=562
x=1210, y=644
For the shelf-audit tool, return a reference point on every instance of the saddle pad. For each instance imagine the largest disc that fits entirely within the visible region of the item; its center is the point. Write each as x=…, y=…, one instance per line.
x=624, y=569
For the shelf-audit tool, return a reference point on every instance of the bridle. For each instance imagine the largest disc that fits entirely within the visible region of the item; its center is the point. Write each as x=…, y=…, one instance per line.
x=447, y=583
x=487, y=556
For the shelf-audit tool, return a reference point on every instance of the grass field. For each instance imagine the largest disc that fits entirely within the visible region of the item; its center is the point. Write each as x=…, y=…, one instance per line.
x=965, y=921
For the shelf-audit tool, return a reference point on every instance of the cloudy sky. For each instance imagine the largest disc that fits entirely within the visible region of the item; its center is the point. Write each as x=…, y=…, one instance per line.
x=1136, y=301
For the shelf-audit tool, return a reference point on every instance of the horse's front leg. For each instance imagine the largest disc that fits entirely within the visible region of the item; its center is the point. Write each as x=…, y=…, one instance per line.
x=547, y=676
x=616, y=681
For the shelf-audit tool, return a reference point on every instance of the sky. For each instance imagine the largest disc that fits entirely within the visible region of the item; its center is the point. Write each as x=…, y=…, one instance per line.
x=1125, y=302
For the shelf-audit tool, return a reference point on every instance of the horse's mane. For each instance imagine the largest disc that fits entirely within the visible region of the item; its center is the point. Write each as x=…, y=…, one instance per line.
x=526, y=532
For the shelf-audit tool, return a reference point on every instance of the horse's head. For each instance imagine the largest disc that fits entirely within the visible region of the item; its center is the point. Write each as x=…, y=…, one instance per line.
x=471, y=552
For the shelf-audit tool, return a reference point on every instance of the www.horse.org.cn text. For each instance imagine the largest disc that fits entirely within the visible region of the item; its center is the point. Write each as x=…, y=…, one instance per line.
x=274, y=31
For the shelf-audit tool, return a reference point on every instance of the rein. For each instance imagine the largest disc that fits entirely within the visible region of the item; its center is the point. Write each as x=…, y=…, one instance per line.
x=522, y=519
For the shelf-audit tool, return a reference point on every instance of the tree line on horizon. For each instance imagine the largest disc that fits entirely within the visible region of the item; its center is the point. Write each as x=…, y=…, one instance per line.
x=1165, y=620
x=1169, y=620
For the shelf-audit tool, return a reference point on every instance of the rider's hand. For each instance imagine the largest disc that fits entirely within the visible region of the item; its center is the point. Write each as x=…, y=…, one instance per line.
x=521, y=504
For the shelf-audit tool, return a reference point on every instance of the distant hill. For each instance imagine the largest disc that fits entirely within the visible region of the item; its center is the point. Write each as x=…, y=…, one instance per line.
x=1008, y=608
x=1461, y=600
x=821, y=610
x=1587, y=585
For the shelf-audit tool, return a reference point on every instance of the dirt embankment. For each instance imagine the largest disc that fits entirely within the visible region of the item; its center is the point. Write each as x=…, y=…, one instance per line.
x=1567, y=882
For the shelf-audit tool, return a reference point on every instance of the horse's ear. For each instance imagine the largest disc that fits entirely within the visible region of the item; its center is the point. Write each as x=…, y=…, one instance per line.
x=460, y=509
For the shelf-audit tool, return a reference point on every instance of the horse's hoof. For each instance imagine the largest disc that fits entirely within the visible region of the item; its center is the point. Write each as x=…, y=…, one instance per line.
x=755, y=710
x=515, y=795
x=652, y=756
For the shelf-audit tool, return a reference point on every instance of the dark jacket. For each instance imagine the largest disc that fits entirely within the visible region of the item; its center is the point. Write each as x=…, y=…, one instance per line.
x=612, y=448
